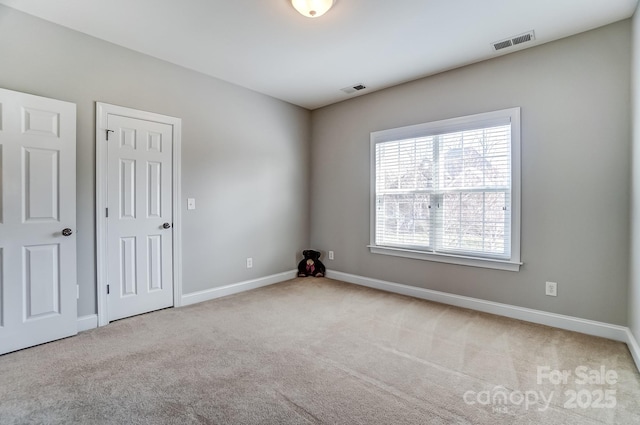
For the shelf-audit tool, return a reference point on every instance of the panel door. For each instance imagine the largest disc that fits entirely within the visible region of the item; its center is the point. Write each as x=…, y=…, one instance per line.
x=139, y=222
x=38, y=292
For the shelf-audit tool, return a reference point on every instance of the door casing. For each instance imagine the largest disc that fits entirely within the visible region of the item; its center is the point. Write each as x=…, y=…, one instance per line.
x=103, y=110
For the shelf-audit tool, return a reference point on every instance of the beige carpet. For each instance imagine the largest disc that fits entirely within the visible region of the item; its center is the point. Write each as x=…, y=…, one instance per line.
x=317, y=351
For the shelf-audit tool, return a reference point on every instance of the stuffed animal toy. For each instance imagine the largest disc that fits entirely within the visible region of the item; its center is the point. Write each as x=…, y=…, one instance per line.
x=311, y=264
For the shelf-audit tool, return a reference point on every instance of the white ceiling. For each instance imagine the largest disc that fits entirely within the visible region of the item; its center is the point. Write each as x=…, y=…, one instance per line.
x=265, y=45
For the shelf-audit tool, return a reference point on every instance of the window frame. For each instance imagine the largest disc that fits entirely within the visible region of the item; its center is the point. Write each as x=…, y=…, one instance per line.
x=468, y=122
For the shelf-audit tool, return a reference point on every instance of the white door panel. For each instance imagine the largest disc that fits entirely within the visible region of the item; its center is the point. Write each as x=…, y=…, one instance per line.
x=139, y=201
x=37, y=201
x=42, y=285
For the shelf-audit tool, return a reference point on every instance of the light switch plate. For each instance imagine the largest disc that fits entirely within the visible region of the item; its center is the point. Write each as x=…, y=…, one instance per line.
x=191, y=203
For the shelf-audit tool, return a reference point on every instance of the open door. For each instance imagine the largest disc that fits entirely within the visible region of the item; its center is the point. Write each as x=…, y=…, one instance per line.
x=38, y=289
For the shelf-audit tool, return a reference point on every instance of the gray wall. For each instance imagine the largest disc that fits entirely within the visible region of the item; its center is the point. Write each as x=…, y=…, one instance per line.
x=245, y=156
x=574, y=95
x=634, y=282
x=246, y=161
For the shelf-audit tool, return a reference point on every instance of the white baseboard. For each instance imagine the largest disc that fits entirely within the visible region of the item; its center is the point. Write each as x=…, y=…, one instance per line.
x=590, y=327
x=632, y=343
x=235, y=288
x=87, y=322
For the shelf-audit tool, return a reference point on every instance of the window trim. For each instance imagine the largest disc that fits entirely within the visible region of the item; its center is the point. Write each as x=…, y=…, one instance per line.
x=446, y=126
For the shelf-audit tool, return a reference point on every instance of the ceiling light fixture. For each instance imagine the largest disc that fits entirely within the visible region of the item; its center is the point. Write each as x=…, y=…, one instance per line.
x=312, y=8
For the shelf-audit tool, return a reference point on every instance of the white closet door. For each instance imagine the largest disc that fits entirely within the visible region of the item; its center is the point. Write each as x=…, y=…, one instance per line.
x=38, y=290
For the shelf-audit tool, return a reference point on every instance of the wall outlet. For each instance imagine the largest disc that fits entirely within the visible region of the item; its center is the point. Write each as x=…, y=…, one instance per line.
x=249, y=262
x=551, y=289
x=330, y=255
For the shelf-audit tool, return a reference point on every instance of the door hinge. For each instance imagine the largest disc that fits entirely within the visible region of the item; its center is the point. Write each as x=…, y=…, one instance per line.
x=107, y=289
x=106, y=212
x=77, y=292
x=108, y=131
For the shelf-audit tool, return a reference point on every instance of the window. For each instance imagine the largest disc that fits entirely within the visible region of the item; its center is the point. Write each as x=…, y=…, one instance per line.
x=449, y=191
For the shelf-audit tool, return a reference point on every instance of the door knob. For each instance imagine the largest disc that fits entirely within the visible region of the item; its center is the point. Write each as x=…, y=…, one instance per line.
x=67, y=232
x=166, y=225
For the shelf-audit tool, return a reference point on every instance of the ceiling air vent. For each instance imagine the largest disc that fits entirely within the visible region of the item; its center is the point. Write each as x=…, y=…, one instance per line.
x=354, y=88
x=514, y=41
x=502, y=44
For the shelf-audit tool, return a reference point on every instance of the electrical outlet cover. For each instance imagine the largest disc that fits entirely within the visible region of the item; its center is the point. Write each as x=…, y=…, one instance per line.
x=551, y=289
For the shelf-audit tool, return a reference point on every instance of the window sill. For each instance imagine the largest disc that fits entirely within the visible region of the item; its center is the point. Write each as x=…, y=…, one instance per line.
x=486, y=263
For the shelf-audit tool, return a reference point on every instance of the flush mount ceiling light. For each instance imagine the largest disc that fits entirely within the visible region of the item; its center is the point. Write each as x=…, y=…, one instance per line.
x=312, y=8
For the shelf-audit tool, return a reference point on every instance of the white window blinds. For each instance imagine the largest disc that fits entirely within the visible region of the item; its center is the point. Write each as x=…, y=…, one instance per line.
x=446, y=189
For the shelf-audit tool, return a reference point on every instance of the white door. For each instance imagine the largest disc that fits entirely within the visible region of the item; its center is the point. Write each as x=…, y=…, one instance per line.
x=38, y=292
x=139, y=223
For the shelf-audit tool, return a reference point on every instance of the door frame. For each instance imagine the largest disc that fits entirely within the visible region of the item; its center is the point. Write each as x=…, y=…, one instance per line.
x=102, y=112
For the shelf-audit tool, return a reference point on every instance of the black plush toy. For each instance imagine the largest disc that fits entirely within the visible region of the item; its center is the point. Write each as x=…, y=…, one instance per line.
x=311, y=264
